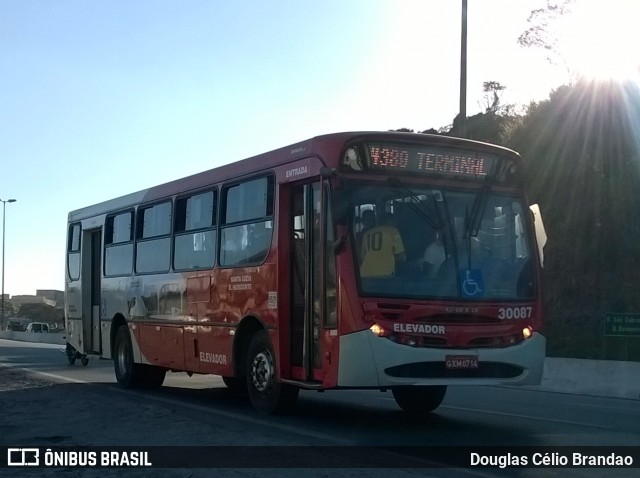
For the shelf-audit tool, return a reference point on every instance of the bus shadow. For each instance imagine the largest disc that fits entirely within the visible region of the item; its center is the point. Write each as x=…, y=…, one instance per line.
x=362, y=422
x=390, y=425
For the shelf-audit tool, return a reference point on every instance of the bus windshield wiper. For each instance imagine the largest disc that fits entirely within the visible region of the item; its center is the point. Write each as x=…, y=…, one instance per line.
x=473, y=219
x=427, y=215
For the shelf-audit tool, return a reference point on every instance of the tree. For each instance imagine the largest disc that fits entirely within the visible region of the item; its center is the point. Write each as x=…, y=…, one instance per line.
x=39, y=313
x=9, y=309
x=543, y=32
x=403, y=130
x=492, y=93
x=583, y=162
x=491, y=125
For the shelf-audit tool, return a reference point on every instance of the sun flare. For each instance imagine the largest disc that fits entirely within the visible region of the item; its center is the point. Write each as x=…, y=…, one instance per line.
x=599, y=40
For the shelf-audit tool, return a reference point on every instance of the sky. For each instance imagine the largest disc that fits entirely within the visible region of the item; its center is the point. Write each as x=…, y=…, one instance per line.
x=103, y=98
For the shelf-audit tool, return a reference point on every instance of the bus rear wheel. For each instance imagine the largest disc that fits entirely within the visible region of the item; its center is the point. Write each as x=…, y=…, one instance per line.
x=419, y=400
x=267, y=395
x=128, y=373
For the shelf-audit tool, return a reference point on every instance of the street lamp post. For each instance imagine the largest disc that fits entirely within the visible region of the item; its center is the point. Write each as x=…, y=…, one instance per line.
x=4, y=205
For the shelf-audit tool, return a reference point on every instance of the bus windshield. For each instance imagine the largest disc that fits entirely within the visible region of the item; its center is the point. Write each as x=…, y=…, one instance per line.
x=416, y=241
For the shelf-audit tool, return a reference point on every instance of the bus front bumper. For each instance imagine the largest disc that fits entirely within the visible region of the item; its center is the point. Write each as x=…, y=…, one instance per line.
x=369, y=361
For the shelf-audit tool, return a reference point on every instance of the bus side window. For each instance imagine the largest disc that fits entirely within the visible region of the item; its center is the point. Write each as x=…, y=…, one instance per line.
x=153, y=238
x=118, y=260
x=247, y=222
x=73, y=252
x=194, y=228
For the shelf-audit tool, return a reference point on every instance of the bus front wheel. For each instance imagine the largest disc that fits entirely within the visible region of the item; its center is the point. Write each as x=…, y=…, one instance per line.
x=419, y=400
x=267, y=395
x=237, y=385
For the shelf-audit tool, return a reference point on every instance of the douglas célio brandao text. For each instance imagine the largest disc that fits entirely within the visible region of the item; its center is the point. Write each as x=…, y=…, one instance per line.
x=574, y=459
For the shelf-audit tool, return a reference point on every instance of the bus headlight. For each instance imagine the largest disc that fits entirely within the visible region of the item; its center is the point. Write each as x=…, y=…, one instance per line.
x=377, y=329
x=527, y=332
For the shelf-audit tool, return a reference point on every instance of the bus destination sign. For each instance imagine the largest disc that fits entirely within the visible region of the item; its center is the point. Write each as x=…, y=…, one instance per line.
x=430, y=160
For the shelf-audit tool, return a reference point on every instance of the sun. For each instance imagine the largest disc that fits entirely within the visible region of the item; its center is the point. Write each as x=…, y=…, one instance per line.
x=599, y=40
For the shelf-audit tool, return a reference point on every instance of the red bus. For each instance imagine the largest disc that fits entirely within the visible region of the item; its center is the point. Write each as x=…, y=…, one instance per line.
x=390, y=261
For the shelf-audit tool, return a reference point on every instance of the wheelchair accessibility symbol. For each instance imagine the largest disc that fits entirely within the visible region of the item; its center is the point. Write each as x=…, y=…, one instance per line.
x=472, y=284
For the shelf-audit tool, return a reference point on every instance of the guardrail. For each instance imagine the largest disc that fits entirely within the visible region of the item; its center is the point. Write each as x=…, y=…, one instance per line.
x=39, y=337
x=605, y=378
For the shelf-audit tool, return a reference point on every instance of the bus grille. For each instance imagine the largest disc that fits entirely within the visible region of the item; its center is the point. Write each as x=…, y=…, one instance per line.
x=438, y=370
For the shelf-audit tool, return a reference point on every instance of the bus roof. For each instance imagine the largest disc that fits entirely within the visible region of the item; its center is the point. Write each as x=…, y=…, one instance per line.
x=326, y=147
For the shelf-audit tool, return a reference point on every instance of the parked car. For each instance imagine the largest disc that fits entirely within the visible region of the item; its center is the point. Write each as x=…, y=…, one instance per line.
x=15, y=326
x=38, y=327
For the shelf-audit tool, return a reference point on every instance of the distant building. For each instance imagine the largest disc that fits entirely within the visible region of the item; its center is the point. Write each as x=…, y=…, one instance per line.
x=19, y=300
x=55, y=295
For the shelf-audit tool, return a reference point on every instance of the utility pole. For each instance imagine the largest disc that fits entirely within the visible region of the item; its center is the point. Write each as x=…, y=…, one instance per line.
x=4, y=205
x=462, y=116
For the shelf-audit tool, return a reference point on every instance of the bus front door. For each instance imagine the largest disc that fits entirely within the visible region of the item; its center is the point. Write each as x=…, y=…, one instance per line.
x=305, y=281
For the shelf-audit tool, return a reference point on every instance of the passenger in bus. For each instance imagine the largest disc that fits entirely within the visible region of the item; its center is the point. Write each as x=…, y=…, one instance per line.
x=433, y=256
x=382, y=249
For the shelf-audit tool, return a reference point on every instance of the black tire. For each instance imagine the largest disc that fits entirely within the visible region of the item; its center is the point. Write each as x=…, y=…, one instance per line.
x=419, y=400
x=71, y=354
x=236, y=385
x=267, y=395
x=128, y=373
x=84, y=361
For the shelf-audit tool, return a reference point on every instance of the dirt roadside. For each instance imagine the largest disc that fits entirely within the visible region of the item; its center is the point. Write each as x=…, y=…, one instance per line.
x=38, y=412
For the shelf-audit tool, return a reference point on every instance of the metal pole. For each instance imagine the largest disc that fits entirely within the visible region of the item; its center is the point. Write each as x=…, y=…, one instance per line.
x=4, y=209
x=4, y=204
x=463, y=73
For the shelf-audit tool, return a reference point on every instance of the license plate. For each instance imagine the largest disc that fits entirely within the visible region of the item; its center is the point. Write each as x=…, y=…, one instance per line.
x=461, y=362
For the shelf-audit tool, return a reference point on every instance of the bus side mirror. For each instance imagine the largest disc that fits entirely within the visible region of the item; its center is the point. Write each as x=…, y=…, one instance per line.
x=340, y=206
x=541, y=235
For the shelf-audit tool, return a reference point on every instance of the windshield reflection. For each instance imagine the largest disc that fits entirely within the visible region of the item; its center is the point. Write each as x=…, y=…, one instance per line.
x=421, y=242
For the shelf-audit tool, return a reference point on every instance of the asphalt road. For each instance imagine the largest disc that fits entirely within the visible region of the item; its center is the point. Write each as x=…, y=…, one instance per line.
x=45, y=402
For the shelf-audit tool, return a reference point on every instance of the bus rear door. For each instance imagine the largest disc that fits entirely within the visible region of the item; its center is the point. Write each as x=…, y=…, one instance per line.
x=91, y=273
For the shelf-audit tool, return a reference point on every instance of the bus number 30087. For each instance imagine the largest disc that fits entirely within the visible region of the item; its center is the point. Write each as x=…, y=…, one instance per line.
x=514, y=313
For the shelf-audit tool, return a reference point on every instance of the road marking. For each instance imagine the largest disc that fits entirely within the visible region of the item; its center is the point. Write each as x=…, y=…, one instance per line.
x=631, y=408
x=528, y=417
x=44, y=374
